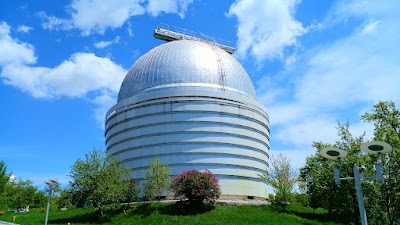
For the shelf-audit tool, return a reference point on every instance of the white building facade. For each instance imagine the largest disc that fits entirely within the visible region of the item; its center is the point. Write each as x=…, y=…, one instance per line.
x=193, y=105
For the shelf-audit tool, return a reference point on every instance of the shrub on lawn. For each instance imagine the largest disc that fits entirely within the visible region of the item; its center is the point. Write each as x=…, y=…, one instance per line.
x=196, y=187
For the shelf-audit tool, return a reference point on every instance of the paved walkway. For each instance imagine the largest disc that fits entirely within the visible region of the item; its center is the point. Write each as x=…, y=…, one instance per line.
x=242, y=202
x=7, y=223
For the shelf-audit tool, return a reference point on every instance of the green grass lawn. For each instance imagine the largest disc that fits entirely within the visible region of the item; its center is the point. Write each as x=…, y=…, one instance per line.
x=170, y=213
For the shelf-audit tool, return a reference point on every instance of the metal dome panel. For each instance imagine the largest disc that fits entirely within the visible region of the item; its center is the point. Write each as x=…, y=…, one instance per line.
x=186, y=63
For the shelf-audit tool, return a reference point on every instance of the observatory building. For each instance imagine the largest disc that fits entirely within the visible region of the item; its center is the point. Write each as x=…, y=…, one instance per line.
x=192, y=104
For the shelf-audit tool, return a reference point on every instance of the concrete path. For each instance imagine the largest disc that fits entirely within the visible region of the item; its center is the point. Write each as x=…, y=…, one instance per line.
x=7, y=223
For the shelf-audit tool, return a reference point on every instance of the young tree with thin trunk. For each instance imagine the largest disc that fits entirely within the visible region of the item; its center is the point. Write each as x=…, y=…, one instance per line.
x=3, y=176
x=281, y=177
x=100, y=179
x=158, y=180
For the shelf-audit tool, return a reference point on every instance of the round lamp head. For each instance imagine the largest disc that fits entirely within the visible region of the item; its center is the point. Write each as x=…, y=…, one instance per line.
x=375, y=147
x=333, y=153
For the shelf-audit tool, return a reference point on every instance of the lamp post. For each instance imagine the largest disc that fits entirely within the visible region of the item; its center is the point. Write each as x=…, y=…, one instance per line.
x=372, y=147
x=52, y=185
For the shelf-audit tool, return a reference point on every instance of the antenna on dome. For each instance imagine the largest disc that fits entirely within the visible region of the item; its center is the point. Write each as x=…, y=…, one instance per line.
x=170, y=33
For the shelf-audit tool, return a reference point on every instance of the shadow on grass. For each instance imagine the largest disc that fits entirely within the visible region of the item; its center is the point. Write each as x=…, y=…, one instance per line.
x=91, y=217
x=321, y=217
x=184, y=208
x=144, y=210
x=94, y=216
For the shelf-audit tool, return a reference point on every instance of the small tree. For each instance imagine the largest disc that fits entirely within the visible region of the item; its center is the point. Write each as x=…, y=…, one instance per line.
x=100, y=179
x=20, y=194
x=64, y=200
x=157, y=180
x=281, y=177
x=132, y=191
x=196, y=186
x=3, y=176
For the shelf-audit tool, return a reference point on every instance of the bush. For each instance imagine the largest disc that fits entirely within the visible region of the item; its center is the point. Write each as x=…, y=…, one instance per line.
x=301, y=199
x=196, y=187
x=64, y=200
x=271, y=197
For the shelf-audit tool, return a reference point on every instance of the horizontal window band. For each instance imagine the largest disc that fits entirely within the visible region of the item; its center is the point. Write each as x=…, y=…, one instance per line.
x=205, y=165
x=177, y=99
x=195, y=153
x=200, y=123
x=188, y=132
x=212, y=144
x=191, y=112
x=221, y=177
x=163, y=103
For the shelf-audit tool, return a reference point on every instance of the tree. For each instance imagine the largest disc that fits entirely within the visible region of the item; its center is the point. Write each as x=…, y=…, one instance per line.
x=99, y=179
x=384, y=203
x=341, y=201
x=157, y=179
x=132, y=192
x=20, y=194
x=3, y=176
x=65, y=199
x=281, y=177
x=382, y=200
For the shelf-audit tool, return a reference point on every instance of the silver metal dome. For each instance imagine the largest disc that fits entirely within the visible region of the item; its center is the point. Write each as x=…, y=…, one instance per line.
x=186, y=63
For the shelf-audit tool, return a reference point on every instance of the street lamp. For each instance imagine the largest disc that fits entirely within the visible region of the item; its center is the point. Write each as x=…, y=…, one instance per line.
x=52, y=185
x=372, y=147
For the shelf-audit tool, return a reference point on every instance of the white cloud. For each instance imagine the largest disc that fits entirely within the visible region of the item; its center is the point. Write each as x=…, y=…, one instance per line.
x=98, y=15
x=81, y=74
x=13, y=51
x=310, y=129
x=104, y=102
x=75, y=77
x=103, y=44
x=297, y=157
x=95, y=16
x=266, y=27
x=155, y=7
x=24, y=29
x=55, y=23
x=337, y=81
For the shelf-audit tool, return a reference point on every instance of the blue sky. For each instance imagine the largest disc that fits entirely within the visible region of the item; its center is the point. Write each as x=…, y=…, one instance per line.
x=313, y=63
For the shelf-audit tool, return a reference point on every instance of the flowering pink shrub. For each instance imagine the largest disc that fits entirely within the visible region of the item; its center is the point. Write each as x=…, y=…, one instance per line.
x=196, y=187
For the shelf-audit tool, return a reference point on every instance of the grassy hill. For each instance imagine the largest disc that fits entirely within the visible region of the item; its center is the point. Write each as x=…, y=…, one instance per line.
x=170, y=213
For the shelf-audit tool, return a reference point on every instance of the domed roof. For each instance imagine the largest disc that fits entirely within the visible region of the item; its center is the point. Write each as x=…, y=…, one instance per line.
x=186, y=63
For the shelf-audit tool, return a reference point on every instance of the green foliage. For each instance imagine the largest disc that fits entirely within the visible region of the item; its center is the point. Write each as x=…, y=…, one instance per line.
x=282, y=178
x=341, y=201
x=157, y=180
x=132, y=192
x=383, y=200
x=20, y=194
x=39, y=199
x=3, y=176
x=271, y=197
x=64, y=200
x=196, y=186
x=99, y=179
x=301, y=199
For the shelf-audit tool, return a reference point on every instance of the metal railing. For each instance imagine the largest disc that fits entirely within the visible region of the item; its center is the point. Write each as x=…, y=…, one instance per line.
x=170, y=33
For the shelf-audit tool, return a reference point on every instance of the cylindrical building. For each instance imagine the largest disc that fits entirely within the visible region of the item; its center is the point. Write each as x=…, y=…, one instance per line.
x=193, y=105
